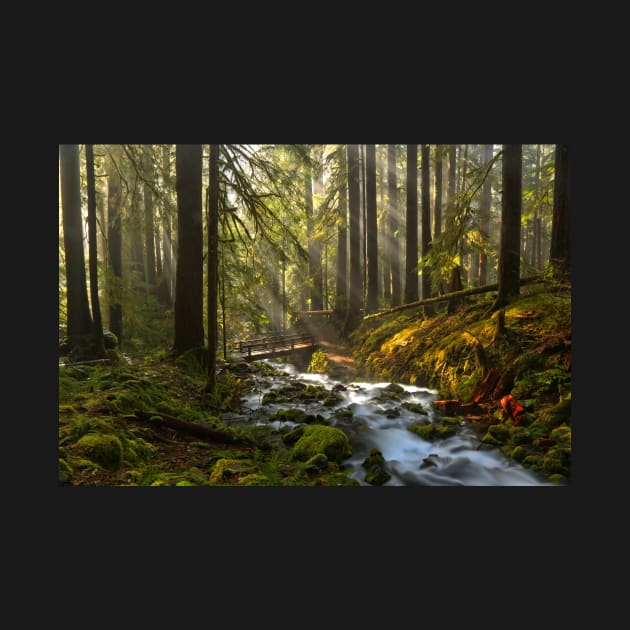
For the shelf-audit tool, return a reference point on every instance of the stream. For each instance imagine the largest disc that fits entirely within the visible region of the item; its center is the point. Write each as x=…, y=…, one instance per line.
x=381, y=413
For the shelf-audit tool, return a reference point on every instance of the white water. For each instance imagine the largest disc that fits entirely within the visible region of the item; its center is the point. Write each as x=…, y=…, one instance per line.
x=409, y=459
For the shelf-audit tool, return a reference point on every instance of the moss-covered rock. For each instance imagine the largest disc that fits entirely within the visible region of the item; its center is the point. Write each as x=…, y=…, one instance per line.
x=317, y=463
x=425, y=431
x=562, y=436
x=230, y=470
x=255, y=479
x=500, y=432
x=374, y=465
x=105, y=450
x=519, y=435
x=519, y=453
x=534, y=462
x=557, y=461
x=330, y=441
x=289, y=415
x=293, y=435
x=558, y=414
x=65, y=471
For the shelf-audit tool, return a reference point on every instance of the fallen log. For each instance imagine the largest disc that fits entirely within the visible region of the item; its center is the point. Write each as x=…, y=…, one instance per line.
x=459, y=408
x=192, y=428
x=451, y=296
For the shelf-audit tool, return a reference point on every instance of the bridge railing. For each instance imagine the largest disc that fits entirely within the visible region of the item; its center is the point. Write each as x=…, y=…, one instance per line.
x=275, y=342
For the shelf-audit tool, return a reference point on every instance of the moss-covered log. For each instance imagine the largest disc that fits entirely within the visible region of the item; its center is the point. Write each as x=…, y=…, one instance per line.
x=192, y=428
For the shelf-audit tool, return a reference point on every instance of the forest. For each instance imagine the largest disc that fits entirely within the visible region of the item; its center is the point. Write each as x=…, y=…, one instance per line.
x=314, y=315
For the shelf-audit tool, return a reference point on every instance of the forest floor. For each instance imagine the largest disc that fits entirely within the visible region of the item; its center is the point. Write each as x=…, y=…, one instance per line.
x=113, y=419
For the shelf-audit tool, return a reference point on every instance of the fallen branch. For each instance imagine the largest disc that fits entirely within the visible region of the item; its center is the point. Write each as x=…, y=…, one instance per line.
x=192, y=428
x=92, y=362
x=450, y=296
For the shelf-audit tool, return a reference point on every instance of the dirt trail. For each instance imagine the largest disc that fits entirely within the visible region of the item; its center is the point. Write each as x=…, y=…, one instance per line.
x=343, y=366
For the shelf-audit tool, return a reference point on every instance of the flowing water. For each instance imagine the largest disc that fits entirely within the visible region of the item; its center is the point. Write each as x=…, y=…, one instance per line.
x=380, y=421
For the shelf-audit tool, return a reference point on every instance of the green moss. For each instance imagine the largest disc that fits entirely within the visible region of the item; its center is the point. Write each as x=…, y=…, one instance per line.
x=519, y=435
x=343, y=413
x=538, y=430
x=289, y=415
x=488, y=438
x=106, y=450
x=557, y=460
x=377, y=476
x=444, y=431
x=562, y=436
x=425, y=431
x=317, y=463
x=414, y=407
x=500, y=432
x=558, y=414
x=255, y=479
x=319, y=363
x=330, y=441
x=557, y=478
x=293, y=435
x=535, y=462
x=519, y=453
x=374, y=464
x=230, y=470
x=65, y=471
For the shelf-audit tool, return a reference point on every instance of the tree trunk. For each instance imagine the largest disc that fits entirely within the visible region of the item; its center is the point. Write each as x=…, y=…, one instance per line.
x=114, y=240
x=189, y=281
x=79, y=317
x=98, y=346
x=341, y=290
x=437, y=205
x=484, y=215
x=509, y=250
x=384, y=235
x=149, y=229
x=392, y=196
x=411, y=259
x=371, y=229
x=560, y=250
x=355, y=289
x=426, y=227
x=213, y=261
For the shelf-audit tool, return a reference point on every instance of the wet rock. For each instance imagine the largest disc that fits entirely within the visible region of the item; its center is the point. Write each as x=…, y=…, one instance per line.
x=429, y=460
x=317, y=463
x=330, y=441
x=374, y=464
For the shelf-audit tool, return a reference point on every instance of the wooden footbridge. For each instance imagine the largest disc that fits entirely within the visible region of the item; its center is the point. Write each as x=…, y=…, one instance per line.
x=274, y=345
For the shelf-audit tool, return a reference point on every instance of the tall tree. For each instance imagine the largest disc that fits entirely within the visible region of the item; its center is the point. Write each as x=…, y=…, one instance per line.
x=452, y=174
x=213, y=242
x=315, y=241
x=98, y=347
x=411, y=260
x=371, y=229
x=341, y=290
x=149, y=229
x=79, y=318
x=437, y=204
x=426, y=226
x=189, y=280
x=165, y=282
x=560, y=250
x=384, y=236
x=114, y=243
x=392, y=196
x=355, y=289
x=484, y=216
x=509, y=248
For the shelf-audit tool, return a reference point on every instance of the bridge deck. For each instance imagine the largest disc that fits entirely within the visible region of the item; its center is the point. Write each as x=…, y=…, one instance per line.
x=274, y=346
